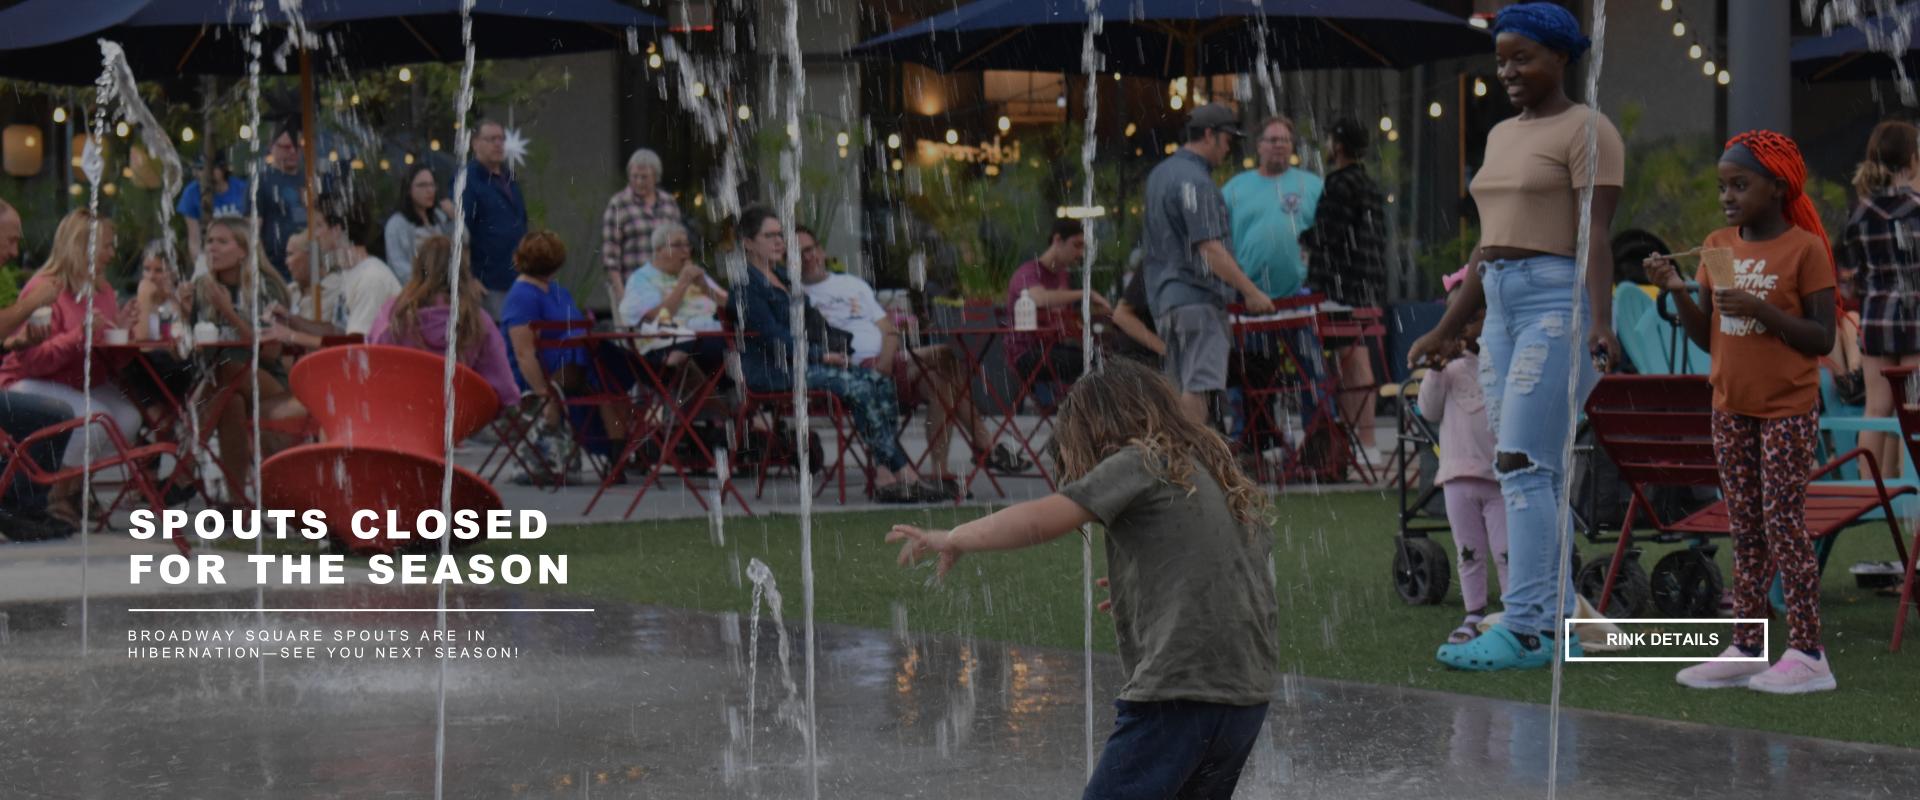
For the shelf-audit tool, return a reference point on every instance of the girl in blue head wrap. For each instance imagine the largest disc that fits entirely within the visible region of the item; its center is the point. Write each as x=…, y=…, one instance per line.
x=1529, y=193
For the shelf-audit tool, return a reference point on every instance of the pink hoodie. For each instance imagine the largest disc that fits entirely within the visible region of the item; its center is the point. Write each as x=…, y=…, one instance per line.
x=489, y=359
x=60, y=358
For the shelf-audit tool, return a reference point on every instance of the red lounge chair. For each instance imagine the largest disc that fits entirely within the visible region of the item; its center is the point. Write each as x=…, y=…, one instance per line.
x=1659, y=430
x=1906, y=409
x=133, y=459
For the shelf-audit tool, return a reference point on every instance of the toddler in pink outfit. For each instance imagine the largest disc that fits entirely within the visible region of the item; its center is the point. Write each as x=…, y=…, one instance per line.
x=1451, y=395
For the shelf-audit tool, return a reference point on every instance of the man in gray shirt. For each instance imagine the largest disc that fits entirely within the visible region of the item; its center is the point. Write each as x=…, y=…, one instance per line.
x=1190, y=269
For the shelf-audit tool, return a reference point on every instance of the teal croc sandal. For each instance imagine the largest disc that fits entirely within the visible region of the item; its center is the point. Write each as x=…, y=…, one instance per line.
x=1498, y=649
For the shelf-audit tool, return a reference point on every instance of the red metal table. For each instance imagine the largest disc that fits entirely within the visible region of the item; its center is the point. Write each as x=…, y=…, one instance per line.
x=973, y=344
x=677, y=418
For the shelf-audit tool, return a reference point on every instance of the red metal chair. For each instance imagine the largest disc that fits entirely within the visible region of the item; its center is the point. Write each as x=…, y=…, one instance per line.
x=1907, y=409
x=132, y=460
x=1658, y=429
x=382, y=412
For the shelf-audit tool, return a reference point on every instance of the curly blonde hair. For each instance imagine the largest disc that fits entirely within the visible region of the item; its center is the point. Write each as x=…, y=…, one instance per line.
x=1125, y=404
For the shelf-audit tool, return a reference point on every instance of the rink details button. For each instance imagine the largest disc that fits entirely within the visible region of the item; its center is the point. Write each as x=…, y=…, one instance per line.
x=1659, y=640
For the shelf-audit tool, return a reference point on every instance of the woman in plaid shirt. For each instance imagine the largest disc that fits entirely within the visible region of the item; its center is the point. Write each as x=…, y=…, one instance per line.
x=1881, y=250
x=626, y=231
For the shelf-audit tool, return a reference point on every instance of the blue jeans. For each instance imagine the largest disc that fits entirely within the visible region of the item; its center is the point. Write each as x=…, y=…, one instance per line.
x=20, y=415
x=1175, y=749
x=1528, y=356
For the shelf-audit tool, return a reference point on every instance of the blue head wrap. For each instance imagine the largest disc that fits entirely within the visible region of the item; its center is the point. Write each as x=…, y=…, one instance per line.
x=1546, y=23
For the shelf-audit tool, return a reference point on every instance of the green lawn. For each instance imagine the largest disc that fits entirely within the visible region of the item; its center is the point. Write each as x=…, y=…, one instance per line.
x=1340, y=617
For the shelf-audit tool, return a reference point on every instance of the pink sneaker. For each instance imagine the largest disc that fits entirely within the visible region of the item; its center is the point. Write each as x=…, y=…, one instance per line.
x=1796, y=673
x=1721, y=674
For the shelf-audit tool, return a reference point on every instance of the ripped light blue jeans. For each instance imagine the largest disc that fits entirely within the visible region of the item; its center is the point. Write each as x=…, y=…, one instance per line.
x=1528, y=355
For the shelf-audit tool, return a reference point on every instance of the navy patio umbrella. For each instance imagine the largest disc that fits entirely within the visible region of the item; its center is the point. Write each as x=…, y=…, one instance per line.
x=53, y=40
x=1176, y=38
x=1860, y=52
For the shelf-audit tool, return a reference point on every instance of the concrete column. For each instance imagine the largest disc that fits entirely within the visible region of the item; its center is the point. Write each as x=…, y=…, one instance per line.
x=1757, y=55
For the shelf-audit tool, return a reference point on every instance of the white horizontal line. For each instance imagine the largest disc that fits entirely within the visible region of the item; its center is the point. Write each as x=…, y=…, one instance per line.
x=368, y=610
x=1572, y=659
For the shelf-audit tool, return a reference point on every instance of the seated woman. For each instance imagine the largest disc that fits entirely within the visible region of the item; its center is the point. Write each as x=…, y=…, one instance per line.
x=417, y=318
x=225, y=297
x=764, y=308
x=54, y=367
x=23, y=505
x=159, y=305
x=672, y=291
x=548, y=373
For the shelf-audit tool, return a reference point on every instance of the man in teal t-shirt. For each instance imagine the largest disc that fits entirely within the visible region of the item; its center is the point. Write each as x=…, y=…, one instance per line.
x=1271, y=206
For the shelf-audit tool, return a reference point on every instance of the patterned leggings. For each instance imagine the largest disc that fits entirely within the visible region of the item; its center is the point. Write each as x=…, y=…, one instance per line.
x=869, y=396
x=1763, y=472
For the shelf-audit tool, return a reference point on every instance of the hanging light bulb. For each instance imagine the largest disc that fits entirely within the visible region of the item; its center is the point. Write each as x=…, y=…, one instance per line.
x=993, y=170
x=1479, y=88
x=1175, y=102
x=843, y=152
x=186, y=134
x=1170, y=148
x=385, y=164
x=699, y=89
x=121, y=130
x=59, y=115
x=1246, y=163
x=1060, y=102
x=1131, y=129
x=434, y=145
x=1725, y=78
x=246, y=132
x=841, y=139
x=1433, y=109
x=793, y=131
x=893, y=141
x=1393, y=136
x=1694, y=52
x=1386, y=123
x=1005, y=124
x=333, y=157
x=654, y=61
x=744, y=113
x=1679, y=29
x=357, y=164
x=1116, y=77
x=408, y=160
x=896, y=165
x=1707, y=69
x=406, y=75
x=1666, y=5
x=953, y=136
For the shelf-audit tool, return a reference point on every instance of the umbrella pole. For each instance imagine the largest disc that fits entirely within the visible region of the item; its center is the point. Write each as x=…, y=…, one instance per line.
x=312, y=134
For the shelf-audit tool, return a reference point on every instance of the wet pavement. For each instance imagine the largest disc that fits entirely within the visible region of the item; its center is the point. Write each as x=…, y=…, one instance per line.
x=633, y=701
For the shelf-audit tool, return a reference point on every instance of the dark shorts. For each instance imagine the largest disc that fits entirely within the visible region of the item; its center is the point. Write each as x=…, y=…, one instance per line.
x=1067, y=362
x=1175, y=749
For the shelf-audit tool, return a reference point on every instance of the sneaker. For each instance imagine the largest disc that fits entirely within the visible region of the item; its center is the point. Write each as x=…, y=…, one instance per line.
x=1795, y=673
x=1720, y=674
x=1005, y=460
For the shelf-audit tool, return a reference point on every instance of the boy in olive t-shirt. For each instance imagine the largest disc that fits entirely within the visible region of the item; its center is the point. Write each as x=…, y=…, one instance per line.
x=1188, y=560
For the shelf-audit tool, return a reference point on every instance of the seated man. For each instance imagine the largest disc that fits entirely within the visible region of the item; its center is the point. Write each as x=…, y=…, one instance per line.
x=933, y=375
x=1046, y=279
x=354, y=285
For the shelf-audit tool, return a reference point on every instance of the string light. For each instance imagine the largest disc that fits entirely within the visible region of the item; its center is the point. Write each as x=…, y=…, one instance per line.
x=744, y=113
x=246, y=132
x=186, y=134
x=1707, y=69
x=699, y=89
x=893, y=141
x=121, y=130
x=59, y=115
x=1170, y=148
x=1666, y=5
x=1694, y=52
x=1386, y=124
x=1725, y=78
x=408, y=160
x=1131, y=128
x=1479, y=88
x=654, y=61
x=355, y=100
x=1005, y=124
x=385, y=164
x=434, y=145
x=841, y=139
x=896, y=165
x=1393, y=136
x=406, y=75
x=1680, y=29
x=953, y=136
x=1246, y=163
x=1433, y=110
x=1175, y=102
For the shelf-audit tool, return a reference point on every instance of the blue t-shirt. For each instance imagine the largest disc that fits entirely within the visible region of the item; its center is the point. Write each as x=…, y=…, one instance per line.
x=527, y=303
x=1269, y=214
x=230, y=203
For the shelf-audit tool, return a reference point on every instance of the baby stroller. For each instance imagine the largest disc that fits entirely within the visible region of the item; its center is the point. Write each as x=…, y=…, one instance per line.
x=1422, y=567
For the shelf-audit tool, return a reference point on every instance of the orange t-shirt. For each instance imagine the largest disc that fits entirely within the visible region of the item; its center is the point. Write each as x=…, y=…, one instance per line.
x=1755, y=372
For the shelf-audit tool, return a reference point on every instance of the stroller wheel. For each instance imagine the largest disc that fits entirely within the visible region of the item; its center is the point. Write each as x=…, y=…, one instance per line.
x=1687, y=583
x=1420, y=570
x=1631, y=593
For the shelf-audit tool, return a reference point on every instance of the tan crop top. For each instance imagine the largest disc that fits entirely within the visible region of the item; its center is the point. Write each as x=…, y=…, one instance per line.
x=1528, y=191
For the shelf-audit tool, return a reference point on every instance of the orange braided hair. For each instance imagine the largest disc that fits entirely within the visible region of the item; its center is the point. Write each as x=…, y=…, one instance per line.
x=1781, y=157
